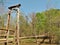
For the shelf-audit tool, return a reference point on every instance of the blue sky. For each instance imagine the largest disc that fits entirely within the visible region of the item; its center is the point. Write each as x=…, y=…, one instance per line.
x=29, y=6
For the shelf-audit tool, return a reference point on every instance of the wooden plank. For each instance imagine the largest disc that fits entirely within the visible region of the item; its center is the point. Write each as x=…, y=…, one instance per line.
x=10, y=39
x=14, y=6
x=6, y=29
x=5, y=35
x=27, y=37
x=5, y=40
x=2, y=35
x=22, y=37
x=40, y=36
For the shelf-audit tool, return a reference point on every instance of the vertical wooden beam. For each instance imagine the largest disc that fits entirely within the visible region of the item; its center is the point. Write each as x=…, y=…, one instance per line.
x=5, y=42
x=7, y=28
x=17, y=26
x=15, y=36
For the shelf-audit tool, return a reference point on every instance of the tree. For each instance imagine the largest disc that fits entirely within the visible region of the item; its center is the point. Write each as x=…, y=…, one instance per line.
x=51, y=21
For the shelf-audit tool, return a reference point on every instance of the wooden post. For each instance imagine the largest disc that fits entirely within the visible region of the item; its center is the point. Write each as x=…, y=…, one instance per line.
x=17, y=29
x=16, y=38
x=17, y=26
x=7, y=28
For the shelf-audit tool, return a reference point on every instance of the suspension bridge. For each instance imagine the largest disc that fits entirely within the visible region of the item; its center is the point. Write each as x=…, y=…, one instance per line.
x=15, y=37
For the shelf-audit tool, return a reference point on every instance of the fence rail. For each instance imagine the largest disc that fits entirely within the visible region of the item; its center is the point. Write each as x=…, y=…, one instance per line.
x=6, y=30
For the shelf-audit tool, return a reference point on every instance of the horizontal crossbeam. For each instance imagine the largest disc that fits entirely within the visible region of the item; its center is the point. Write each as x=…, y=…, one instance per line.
x=6, y=29
x=14, y=6
x=38, y=37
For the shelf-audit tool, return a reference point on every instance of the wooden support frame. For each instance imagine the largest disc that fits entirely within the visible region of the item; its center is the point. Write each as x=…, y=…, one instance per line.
x=16, y=8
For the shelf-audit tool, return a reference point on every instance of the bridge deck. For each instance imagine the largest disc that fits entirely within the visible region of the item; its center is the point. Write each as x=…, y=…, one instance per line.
x=26, y=37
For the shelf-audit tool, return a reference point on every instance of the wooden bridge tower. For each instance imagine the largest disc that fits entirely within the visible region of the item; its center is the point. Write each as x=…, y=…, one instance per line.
x=15, y=8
